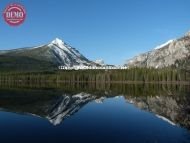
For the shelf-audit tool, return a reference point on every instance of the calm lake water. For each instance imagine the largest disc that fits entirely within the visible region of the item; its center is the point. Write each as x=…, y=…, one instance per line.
x=95, y=114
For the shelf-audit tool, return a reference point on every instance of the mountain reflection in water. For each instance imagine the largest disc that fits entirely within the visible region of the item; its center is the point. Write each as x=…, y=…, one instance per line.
x=171, y=104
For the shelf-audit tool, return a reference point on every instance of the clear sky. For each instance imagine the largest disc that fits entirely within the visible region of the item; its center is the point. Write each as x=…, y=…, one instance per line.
x=113, y=30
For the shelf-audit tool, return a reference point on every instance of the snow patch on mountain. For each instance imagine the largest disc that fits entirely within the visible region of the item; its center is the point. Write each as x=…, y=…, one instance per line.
x=58, y=42
x=163, y=45
x=100, y=62
x=166, y=120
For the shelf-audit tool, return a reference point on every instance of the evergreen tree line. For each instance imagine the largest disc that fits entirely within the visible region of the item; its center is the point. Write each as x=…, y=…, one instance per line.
x=128, y=75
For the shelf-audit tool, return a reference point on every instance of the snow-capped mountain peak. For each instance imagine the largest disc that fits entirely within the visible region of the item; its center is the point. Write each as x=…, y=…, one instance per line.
x=66, y=55
x=55, y=53
x=58, y=42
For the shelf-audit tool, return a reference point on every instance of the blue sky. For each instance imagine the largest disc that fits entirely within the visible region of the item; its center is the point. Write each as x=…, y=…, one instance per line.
x=113, y=30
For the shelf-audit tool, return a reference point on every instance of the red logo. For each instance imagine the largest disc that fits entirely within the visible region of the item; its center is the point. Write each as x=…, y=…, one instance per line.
x=14, y=14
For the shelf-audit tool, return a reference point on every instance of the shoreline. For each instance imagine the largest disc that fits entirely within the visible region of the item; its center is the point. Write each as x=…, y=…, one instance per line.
x=103, y=82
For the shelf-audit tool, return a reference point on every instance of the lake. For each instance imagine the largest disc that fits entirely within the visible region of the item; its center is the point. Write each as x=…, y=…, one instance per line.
x=86, y=113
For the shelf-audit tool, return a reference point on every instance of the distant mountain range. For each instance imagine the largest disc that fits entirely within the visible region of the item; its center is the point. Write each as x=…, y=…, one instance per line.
x=174, y=53
x=43, y=57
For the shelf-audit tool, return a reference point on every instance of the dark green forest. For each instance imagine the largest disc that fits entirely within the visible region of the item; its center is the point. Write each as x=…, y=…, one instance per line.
x=166, y=75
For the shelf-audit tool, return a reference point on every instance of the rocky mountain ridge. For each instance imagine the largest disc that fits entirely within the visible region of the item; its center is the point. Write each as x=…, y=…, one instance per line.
x=168, y=54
